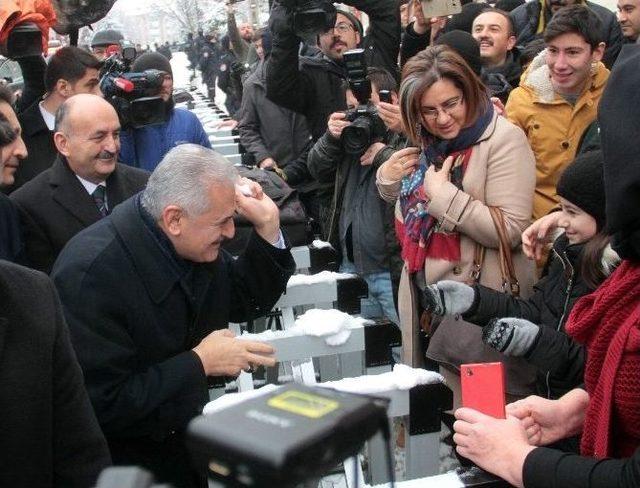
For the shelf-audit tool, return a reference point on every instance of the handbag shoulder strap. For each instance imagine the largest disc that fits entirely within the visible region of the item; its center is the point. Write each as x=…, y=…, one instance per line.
x=509, y=280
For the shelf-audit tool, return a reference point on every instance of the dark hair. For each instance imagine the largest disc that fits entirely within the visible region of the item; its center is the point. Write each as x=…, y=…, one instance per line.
x=426, y=68
x=7, y=133
x=510, y=26
x=530, y=51
x=382, y=79
x=591, y=267
x=575, y=19
x=69, y=63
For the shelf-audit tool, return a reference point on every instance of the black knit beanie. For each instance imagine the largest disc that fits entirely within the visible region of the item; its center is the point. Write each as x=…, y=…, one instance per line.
x=151, y=60
x=465, y=45
x=582, y=183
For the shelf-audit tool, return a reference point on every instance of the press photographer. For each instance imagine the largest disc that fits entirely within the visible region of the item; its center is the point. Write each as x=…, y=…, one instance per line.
x=313, y=85
x=360, y=224
x=144, y=145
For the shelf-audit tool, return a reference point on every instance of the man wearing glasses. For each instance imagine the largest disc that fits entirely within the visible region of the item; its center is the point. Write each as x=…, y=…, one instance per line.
x=313, y=85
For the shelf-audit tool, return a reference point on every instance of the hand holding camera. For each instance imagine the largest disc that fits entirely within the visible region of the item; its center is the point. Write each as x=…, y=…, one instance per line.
x=337, y=123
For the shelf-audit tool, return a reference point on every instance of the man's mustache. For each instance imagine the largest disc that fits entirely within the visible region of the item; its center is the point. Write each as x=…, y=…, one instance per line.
x=106, y=155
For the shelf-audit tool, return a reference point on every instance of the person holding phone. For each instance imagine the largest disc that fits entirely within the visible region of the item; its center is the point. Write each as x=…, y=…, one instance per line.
x=469, y=159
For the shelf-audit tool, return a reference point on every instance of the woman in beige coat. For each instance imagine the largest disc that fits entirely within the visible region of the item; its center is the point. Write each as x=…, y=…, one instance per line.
x=470, y=158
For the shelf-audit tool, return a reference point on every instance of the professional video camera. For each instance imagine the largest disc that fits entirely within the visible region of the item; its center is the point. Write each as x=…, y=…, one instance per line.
x=311, y=17
x=366, y=125
x=133, y=95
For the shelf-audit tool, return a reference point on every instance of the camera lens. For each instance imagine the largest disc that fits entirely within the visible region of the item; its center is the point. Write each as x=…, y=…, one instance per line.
x=356, y=138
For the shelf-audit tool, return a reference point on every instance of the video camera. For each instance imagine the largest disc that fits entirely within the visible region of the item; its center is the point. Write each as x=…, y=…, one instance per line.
x=311, y=17
x=133, y=95
x=366, y=125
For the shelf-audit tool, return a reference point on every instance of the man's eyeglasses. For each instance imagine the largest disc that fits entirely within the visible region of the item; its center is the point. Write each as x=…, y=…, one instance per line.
x=343, y=28
x=447, y=107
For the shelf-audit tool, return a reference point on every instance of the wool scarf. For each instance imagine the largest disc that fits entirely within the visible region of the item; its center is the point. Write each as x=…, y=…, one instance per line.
x=607, y=322
x=418, y=232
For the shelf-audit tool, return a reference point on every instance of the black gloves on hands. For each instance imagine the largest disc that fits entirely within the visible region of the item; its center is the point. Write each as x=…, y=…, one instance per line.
x=448, y=298
x=510, y=336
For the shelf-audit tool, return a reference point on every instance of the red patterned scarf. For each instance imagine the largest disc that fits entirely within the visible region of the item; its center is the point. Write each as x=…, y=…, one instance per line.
x=608, y=323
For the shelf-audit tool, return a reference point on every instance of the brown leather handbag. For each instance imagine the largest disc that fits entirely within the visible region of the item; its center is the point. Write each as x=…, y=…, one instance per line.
x=510, y=282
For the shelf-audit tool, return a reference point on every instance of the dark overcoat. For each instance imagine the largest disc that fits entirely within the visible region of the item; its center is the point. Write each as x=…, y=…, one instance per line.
x=136, y=310
x=49, y=433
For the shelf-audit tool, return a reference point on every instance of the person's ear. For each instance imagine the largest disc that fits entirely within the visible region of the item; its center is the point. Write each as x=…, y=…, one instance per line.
x=61, y=141
x=63, y=88
x=357, y=37
x=511, y=43
x=172, y=220
x=598, y=52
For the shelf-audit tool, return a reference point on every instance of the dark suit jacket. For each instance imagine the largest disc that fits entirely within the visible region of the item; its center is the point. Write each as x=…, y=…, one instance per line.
x=39, y=141
x=50, y=436
x=54, y=207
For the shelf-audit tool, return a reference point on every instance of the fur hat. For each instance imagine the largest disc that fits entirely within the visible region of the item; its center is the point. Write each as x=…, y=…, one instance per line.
x=582, y=183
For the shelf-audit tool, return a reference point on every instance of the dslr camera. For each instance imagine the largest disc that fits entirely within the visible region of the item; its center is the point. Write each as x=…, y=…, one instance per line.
x=135, y=96
x=366, y=125
x=311, y=17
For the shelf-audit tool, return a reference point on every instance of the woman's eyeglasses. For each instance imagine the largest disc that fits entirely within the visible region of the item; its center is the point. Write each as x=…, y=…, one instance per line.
x=448, y=107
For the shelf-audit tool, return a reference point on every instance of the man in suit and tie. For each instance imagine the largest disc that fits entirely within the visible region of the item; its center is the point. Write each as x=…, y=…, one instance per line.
x=84, y=183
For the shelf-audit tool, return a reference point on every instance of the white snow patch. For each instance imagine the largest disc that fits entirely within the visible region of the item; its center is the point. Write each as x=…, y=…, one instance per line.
x=401, y=378
x=318, y=244
x=335, y=326
x=322, y=277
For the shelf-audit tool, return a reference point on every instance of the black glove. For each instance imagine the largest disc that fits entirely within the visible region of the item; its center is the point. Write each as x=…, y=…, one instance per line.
x=510, y=336
x=448, y=298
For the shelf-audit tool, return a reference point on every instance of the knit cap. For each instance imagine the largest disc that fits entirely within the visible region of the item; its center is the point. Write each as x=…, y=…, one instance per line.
x=582, y=183
x=465, y=45
x=151, y=60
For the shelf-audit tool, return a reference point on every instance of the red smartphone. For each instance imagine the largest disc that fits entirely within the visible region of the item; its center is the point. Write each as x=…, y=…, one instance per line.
x=483, y=388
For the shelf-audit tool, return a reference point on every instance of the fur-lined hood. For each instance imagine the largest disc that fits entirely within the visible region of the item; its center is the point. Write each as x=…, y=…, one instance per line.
x=537, y=78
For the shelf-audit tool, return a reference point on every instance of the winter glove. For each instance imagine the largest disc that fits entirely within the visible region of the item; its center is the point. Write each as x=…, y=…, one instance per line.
x=448, y=298
x=510, y=336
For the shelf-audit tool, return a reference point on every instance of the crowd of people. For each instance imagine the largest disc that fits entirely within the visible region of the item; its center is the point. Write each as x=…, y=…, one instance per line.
x=479, y=175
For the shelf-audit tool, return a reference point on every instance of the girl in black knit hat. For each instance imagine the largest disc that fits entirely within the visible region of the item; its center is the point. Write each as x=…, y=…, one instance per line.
x=580, y=261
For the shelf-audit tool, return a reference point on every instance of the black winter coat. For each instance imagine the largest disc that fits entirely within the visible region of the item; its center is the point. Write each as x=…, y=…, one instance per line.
x=136, y=310
x=314, y=86
x=550, y=468
x=39, y=141
x=50, y=436
x=560, y=360
x=526, y=17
